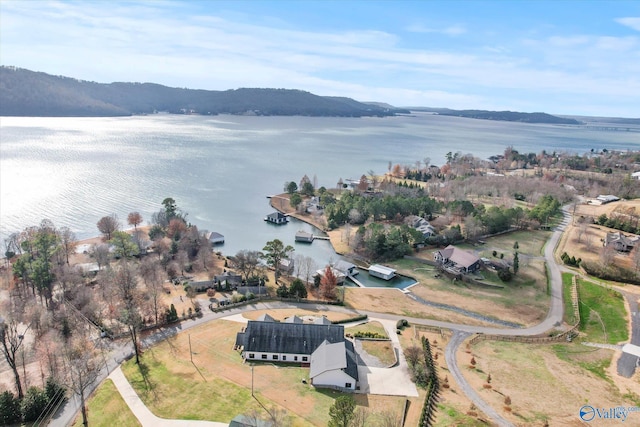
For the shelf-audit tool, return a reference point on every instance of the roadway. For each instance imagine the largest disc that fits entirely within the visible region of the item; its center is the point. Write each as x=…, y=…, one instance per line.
x=553, y=320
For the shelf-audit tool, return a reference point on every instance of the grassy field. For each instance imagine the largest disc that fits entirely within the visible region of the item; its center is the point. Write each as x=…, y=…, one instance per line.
x=449, y=416
x=603, y=316
x=217, y=385
x=106, y=408
x=567, y=283
x=544, y=383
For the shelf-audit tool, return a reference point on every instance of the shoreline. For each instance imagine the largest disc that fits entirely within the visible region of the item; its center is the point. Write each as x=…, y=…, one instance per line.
x=334, y=235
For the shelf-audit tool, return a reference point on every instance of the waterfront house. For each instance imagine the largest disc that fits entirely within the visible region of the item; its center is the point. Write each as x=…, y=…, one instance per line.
x=457, y=259
x=228, y=278
x=382, y=272
x=277, y=218
x=346, y=268
x=340, y=276
x=286, y=266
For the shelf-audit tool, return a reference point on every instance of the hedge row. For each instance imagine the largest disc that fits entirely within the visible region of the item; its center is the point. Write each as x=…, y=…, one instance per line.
x=433, y=387
x=351, y=319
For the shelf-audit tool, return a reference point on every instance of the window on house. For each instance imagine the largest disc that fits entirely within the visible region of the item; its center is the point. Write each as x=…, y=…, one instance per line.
x=305, y=358
x=252, y=356
x=295, y=358
x=264, y=356
x=347, y=385
x=284, y=357
x=275, y=357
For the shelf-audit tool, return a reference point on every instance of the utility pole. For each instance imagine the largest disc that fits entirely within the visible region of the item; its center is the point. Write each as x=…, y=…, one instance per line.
x=190, y=352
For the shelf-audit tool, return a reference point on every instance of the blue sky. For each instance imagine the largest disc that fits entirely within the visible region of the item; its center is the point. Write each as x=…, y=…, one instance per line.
x=562, y=57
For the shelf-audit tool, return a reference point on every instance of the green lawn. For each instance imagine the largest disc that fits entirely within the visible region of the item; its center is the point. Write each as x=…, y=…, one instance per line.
x=592, y=359
x=447, y=415
x=603, y=317
x=106, y=408
x=171, y=395
x=567, y=282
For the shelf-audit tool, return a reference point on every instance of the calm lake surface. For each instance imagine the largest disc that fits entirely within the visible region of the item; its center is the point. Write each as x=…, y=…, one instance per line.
x=220, y=169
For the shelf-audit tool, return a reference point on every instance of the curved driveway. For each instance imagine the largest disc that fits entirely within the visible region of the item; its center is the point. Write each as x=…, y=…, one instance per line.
x=460, y=332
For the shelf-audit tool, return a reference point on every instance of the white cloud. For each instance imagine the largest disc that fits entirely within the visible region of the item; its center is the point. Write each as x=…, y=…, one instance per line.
x=631, y=22
x=153, y=42
x=453, y=30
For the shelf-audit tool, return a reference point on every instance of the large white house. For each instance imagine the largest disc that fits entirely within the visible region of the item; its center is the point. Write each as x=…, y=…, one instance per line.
x=334, y=365
x=321, y=346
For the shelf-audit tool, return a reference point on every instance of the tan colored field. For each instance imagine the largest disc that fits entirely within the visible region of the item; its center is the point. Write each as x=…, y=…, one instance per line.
x=585, y=241
x=542, y=386
x=395, y=302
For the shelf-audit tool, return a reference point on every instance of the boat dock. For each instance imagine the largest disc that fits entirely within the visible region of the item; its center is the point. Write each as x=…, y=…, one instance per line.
x=320, y=237
x=356, y=281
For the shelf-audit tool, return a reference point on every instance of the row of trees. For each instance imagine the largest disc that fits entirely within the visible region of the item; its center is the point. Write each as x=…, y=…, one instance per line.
x=355, y=208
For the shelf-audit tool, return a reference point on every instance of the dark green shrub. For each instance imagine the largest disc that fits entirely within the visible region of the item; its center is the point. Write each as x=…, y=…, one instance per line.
x=56, y=393
x=505, y=275
x=33, y=404
x=9, y=409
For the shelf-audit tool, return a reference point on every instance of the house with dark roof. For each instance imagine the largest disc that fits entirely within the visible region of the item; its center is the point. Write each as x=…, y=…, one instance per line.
x=228, y=278
x=620, y=242
x=346, y=268
x=322, y=320
x=293, y=319
x=334, y=365
x=458, y=259
x=290, y=342
x=266, y=318
x=277, y=218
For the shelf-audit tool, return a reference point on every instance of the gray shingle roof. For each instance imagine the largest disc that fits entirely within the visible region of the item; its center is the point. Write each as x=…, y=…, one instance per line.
x=291, y=338
x=329, y=357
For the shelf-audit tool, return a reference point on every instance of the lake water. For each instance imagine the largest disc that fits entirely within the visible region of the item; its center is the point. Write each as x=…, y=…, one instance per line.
x=220, y=169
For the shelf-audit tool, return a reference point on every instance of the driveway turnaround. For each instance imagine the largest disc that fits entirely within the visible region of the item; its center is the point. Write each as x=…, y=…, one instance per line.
x=395, y=381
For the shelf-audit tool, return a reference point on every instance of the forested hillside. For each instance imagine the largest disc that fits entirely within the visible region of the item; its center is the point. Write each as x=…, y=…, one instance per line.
x=508, y=116
x=29, y=93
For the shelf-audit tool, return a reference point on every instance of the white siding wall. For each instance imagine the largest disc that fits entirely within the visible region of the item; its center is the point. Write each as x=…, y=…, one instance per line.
x=290, y=358
x=337, y=378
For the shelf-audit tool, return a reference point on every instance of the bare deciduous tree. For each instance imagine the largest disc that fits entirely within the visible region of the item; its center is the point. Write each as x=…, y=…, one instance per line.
x=135, y=219
x=68, y=242
x=101, y=254
x=247, y=262
x=307, y=267
x=107, y=225
x=12, y=334
x=82, y=368
x=129, y=297
x=151, y=273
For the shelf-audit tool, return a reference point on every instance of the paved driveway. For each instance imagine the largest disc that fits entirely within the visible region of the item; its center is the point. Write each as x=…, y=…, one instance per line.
x=394, y=381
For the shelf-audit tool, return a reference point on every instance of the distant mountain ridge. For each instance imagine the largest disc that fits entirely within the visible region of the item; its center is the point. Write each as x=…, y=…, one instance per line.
x=508, y=116
x=29, y=93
